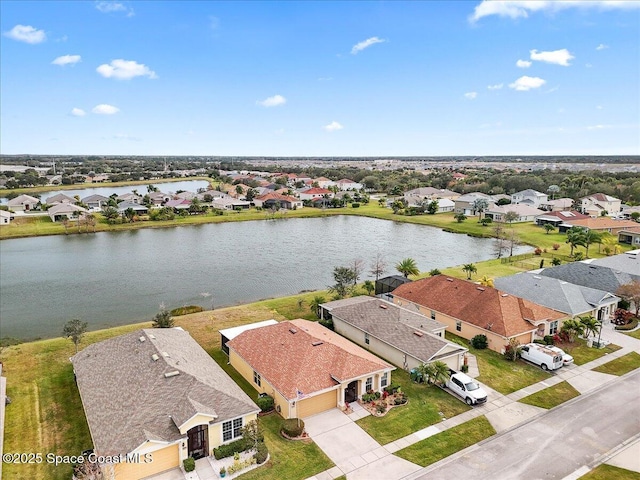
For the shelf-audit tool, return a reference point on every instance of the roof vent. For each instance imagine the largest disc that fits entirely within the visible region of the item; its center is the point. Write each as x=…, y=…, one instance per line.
x=480, y=288
x=173, y=373
x=142, y=339
x=449, y=279
x=383, y=306
x=152, y=336
x=537, y=277
x=505, y=295
x=155, y=357
x=417, y=334
x=315, y=344
x=293, y=330
x=165, y=354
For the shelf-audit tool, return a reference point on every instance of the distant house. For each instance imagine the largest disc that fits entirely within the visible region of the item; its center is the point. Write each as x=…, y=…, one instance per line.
x=138, y=209
x=5, y=217
x=574, y=300
x=178, y=204
x=418, y=195
x=346, y=184
x=557, y=205
x=590, y=275
x=524, y=212
x=558, y=218
x=599, y=224
x=594, y=205
x=23, y=203
x=628, y=262
x=468, y=309
x=306, y=367
x=314, y=192
x=627, y=211
x=54, y=179
x=277, y=200
x=185, y=196
x=158, y=199
x=59, y=198
x=130, y=198
x=95, y=201
x=156, y=391
x=229, y=203
x=464, y=203
x=405, y=338
x=323, y=182
x=630, y=236
x=68, y=211
x=530, y=197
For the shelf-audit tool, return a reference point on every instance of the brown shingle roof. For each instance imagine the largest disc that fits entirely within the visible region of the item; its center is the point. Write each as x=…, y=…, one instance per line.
x=309, y=360
x=602, y=222
x=484, y=307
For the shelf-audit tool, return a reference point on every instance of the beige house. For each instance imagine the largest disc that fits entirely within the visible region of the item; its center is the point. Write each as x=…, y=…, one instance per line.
x=524, y=212
x=156, y=394
x=23, y=203
x=67, y=211
x=306, y=367
x=5, y=217
x=594, y=205
x=468, y=309
x=404, y=337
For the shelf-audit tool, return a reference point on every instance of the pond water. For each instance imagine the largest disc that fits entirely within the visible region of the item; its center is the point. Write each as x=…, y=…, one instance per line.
x=115, y=278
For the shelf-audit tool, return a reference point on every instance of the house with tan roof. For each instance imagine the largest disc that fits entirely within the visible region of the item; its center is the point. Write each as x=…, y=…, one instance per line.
x=469, y=309
x=405, y=337
x=306, y=367
x=23, y=203
x=594, y=205
x=630, y=236
x=524, y=212
x=277, y=200
x=599, y=224
x=157, y=393
x=315, y=192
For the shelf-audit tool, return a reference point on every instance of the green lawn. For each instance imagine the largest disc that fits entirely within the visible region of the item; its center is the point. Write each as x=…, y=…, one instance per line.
x=423, y=409
x=441, y=445
x=620, y=365
x=609, y=472
x=634, y=334
x=582, y=354
x=502, y=375
x=552, y=396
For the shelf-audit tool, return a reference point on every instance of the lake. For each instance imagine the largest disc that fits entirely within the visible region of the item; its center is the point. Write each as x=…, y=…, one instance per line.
x=116, y=278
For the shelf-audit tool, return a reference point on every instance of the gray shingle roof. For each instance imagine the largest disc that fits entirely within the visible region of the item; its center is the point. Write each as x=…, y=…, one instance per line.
x=128, y=400
x=628, y=262
x=554, y=293
x=590, y=275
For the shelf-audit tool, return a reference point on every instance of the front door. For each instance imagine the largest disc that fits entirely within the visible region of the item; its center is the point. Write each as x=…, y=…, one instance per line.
x=197, y=441
x=351, y=392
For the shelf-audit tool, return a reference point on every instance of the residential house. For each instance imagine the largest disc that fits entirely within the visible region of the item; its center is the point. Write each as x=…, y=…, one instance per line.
x=590, y=275
x=178, y=204
x=95, y=201
x=185, y=196
x=65, y=211
x=574, y=300
x=138, y=209
x=628, y=262
x=59, y=198
x=324, y=182
x=599, y=224
x=594, y=205
x=405, y=338
x=227, y=202
x=627, y=211
x=23, y=203
x=557, y=205
x=277, y=200
x=306, y=367
x=156, y=391
x=97, y=178
x=464, y=203
x=158, y=199
x=54, y=179
x=314, y=192
x=524, y=212
x=130, y=198
x=530, y=197
x=417, y=196
x=469, y=309
x=228, y=334
x=386, y=285
x=630, y=236
x=5, y=217
x=558, y=218
x=346, y=184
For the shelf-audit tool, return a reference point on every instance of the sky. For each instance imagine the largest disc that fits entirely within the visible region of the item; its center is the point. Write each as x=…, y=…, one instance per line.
x=384, y=78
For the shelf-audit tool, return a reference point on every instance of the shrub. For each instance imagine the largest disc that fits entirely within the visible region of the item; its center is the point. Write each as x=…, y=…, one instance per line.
x=539, y=341
x=265, y=403
x=400, y=400
x=548, y=340
x=629, y=326
x=622, y=317
x=537, y=251
x=464, y=368
x=228, y=449
x=480, y=342
x=393, y=388
x=189, y=464
x=624, y=304
x=261, y=453
x=186, y=310
x=355, y=205
x=578, y=256
x=555, y=261
x=381, y=407
x=292, y=427
x=556, y=246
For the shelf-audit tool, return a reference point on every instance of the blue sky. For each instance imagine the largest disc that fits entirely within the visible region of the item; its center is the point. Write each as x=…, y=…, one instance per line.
x=320, y=78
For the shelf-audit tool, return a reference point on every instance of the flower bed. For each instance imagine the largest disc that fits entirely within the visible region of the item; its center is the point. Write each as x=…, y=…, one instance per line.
x=379, y=404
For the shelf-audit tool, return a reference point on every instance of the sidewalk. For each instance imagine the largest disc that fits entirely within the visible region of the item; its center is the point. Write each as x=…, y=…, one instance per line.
x=503, y=411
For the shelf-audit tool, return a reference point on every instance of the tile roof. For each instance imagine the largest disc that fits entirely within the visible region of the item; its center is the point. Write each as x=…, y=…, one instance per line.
x=317, y=190
x=484, y=307
x=310, y=360
x=128, y=399
x=276, y=196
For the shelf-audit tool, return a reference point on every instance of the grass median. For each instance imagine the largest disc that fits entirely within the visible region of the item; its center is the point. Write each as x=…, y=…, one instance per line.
x=620, y=365
x=552, y=396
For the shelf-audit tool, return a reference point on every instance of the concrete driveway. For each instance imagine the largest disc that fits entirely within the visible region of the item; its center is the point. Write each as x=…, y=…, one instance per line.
x=352, y=449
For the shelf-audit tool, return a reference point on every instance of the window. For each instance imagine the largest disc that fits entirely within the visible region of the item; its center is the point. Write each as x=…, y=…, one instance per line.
x=384, y=379
x=458, y=325
x=553, y=327
x=366, y=338
x=232, y=429
x=369, y=384
x=433, y=315
x=256, y=378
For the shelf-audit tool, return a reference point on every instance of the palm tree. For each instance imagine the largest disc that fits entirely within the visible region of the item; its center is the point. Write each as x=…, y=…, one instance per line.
x=591, y=236
x=314, y=305
x=470, y=268
x=486, y=281
x=572, y=328
x=575, y=237
x=591, y=325
x=441, y=372
x=408, y=267
x=553, y=189
x=428, y=372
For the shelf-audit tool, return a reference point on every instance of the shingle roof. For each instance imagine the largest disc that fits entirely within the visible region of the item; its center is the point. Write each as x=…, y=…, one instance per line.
x=21, y=199
x=60, y=198
x=485, y=307
x=628, y=262
x=305, y=356
x=554, y=293
x=128, y=400
x=590, y=275
x=601, y=223
x=95, y=198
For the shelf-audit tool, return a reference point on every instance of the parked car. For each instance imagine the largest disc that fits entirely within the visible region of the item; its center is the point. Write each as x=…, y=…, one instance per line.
x=566, y=358
x=541, y=355
x=466, y=388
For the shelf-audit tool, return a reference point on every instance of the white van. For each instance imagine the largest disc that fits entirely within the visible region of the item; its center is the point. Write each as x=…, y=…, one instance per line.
x=540, y=355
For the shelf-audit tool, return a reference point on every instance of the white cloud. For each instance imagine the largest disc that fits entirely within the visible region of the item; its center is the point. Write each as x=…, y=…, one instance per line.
x=78, y=112
x=333, y=126
x=599, y=107
x=557, y=57
x=602, y=46
x=27, y=34
x=470, y=95
x=67, y=60
x=497, y=86
x=274, y=101
x=104, y=109
x=358, y=47
x=523, y=64
x=522, y=8
x=599, y=127
x=125, y=70
x=527, y=83
x=114, y=7
x=325, y=79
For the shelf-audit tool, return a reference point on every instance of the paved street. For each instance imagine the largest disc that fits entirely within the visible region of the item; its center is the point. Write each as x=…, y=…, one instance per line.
x=556, y=444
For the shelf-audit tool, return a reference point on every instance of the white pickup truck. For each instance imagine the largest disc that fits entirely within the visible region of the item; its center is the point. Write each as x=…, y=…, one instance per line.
x=467, y=388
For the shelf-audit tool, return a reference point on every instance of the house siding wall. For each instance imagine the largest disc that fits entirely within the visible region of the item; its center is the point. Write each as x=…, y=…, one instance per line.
x=215, y=432
x=163, y=459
